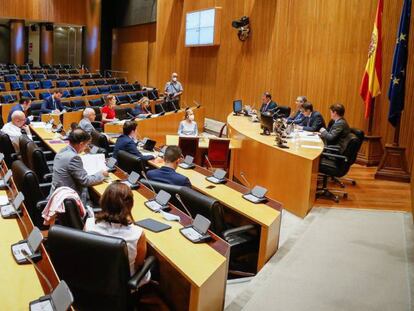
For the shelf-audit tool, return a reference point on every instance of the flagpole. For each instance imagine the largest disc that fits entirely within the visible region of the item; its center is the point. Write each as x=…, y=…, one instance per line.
x=397, y=133
x=371, y=117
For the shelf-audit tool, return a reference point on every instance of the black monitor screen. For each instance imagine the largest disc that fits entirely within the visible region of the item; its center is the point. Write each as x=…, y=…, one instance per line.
x=237, y=106
x=266, y=120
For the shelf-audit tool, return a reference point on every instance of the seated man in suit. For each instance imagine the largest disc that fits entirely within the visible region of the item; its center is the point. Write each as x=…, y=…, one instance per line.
x=313, y=121
x=297, y=117
x=128, y=141
x=339, y=129
x=167, y=173
x=52, y=104
x=267, y=104
x=23, y=105
x=85, y=124
x=68, y=168
x=16, y=128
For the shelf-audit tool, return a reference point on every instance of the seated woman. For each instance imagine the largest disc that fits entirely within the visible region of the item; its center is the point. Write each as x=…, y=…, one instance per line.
x=108, y=111
x=116, y=220
x=188, y=127
x=142, y=108
x=297, y=116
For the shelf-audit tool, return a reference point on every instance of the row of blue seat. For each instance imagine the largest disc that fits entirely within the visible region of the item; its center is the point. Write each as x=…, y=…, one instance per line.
x=121, y=98
x=53, y=76
x=30, y=66
x=48, y=84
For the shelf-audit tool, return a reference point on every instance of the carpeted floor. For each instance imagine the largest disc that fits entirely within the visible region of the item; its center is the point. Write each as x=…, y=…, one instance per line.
x=337, y=259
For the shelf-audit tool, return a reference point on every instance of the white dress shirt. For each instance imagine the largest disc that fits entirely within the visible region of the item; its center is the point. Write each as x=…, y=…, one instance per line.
x=14, y=133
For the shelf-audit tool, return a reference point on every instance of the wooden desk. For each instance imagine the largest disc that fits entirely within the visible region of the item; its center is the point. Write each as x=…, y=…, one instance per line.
x=21, y=283
x=289, y=174
x=67, y=117
x=266, y=216
x=157, y=128
x=192, y=276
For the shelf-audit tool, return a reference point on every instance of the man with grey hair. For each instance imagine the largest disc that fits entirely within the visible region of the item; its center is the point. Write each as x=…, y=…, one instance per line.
x=85, y=124
x=16, y=128
x=173, y=88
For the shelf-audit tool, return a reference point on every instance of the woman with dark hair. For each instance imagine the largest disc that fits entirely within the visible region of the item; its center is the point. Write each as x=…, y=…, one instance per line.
x=116, y=220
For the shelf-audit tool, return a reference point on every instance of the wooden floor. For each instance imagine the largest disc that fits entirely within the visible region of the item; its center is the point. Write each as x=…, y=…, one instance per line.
x=371, y=193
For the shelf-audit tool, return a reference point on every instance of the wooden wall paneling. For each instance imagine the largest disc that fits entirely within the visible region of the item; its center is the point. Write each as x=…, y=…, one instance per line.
x=59, y=11
x=17, y=35
x=91, y=43
x=315, y=48
x=46, y=45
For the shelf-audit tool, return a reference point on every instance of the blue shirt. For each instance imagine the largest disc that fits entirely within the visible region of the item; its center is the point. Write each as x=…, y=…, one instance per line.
x=126, y=143
x=168, y=175
x=18, y=107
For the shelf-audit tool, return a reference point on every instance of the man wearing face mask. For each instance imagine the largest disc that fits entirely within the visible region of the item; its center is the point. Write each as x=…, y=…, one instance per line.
x=173, y=89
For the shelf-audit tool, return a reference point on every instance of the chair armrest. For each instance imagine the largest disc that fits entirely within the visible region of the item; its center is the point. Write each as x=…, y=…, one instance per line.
x=48, y=177
x=237, y=230
x=97, y=124
x=336, y=156
x=45, y=187
x=334, y=148
x=41, y=205
x=96, y=210
x=139, y=275
x=15, y=156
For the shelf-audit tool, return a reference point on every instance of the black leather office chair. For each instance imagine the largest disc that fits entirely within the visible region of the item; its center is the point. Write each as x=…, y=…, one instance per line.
x=244, y=240
x=282, y=111
x=337, y=165
x=188, y=145
x=340, y=181
x=24, y=140
x=33, y=191
x=100, y=140
x=105, y=283
x=36, y=161
x=7, y=148
x=71, y=217
x=123, y=113
x=129, y=162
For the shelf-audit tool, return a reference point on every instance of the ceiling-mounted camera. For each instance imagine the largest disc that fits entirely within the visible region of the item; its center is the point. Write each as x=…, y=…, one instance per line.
x=243, y=27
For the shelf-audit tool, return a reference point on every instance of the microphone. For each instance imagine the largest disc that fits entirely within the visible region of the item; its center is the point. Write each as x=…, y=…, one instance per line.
x=25, y=254
x=208, y=162
x=18, y=212
x=175, y=107
x=245, y=179
x=149, y=183
x=162, y=107
x=183, y=205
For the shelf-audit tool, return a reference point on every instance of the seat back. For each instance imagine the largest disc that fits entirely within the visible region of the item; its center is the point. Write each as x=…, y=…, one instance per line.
x=98, y=113
x=358, y=133
x=16, y=85
x=122, y=99
x=63, y=83
x=28, y=183
x=28, y=94
x=283, y=111
x=24, y=140
x=93, y=91
x=218, y=152
x=34, y=85
x=8, y=98
x=78, y=104
x=35, y=108
x=188, y=145
x=36, y=161
x=95, y=267
x=71, y=217
x=75, y=83
x=78, y=91
x=96, y=102
x=129, y=162
x=123, y=113
x=353, y=145
x=100, y=140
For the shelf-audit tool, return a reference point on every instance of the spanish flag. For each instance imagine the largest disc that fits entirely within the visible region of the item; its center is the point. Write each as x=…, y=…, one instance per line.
x=371, y=81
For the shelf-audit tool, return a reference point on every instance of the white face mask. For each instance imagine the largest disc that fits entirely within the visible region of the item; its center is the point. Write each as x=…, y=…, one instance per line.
x=174, y=79
x=191, y=117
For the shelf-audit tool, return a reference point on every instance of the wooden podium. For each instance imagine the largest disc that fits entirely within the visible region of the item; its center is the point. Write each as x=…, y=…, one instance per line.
x=371, y=152
x=393, y=164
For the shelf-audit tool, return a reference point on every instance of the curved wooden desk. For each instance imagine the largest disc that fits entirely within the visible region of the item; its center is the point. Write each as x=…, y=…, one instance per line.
x=289, y=174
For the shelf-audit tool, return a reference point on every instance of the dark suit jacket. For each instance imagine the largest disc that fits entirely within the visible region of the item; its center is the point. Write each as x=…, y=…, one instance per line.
x=313, y=123
x=337, y=134
x=18, y=107
x=138, y=110
x=126, y=143
x=169, y=176
x=297, y=118
x=48, y=106
x=272, y=106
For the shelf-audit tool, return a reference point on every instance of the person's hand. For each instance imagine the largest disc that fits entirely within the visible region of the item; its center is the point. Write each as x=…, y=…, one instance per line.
x=30, y=118
x=322, y=130
x=300, y=128
x=105, y=173
x=56, y=111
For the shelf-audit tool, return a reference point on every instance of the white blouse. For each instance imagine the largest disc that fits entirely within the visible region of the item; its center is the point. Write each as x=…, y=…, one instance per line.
x=131, y=234
x=188, y=129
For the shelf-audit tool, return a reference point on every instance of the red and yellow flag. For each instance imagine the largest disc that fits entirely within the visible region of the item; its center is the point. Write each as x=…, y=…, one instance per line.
x=371, y=81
